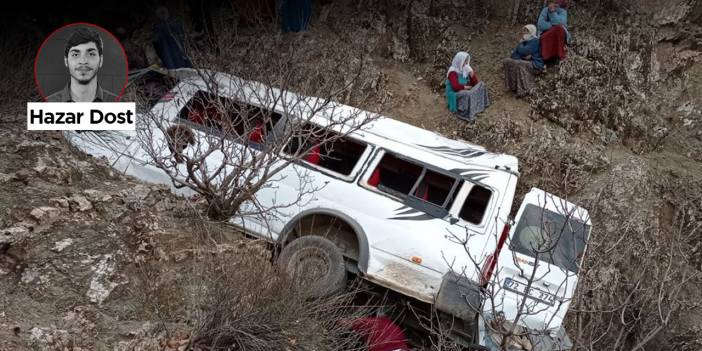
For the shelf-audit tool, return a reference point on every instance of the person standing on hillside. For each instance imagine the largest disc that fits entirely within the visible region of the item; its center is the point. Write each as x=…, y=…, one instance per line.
x=169, y=41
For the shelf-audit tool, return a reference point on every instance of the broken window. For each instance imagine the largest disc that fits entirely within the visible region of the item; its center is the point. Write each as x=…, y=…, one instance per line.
x=476, y=204
x=230, y=117
x=325, y=149
x=394, y=175
x=552, y=237
x=400, y=177
x=435, y=188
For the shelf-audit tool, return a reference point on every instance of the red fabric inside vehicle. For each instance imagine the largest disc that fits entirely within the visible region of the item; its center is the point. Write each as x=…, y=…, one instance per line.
x=195, y=117
x=422, y=191
x=199, y=115
x=374, y=179
x=258, y=133
x=313, y=157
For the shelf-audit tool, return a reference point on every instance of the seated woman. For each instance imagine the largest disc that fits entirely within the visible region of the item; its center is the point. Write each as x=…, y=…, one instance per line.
x=466, y=95
x=525, y=62
x=553, y=30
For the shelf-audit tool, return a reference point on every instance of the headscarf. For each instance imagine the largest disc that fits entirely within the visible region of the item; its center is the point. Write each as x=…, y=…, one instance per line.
x=457, y=65
x=532, y=32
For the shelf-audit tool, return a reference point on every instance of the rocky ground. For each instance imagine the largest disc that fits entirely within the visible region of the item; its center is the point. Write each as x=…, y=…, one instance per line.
x=89, y=258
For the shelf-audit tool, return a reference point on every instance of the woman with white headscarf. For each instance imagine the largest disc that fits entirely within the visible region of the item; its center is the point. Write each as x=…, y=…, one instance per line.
x=466, y=95
x=525, y=62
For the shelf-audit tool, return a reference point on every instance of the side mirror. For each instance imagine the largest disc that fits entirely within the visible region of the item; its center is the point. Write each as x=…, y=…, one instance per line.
x=453, y=220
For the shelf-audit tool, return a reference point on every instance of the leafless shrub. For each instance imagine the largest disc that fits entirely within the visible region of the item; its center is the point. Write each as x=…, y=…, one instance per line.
x=437, y=328
x=224, y=294
x=241, y=120
x=247, y=305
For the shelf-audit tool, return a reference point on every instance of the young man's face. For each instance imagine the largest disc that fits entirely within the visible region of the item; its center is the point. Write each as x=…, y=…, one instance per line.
x=83, y=62
x=552, y=6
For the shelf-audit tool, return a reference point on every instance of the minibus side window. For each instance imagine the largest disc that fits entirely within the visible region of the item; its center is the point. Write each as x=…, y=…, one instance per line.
x=476, y=204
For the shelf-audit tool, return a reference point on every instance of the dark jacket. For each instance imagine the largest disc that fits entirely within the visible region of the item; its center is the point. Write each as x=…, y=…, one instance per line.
x=64, y=95
x=530, y=47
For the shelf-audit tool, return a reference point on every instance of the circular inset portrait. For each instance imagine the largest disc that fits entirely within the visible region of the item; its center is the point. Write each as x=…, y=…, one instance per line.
x=81, y=62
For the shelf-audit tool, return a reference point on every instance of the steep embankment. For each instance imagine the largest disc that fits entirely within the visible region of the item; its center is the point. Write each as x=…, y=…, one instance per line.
x=617, y=128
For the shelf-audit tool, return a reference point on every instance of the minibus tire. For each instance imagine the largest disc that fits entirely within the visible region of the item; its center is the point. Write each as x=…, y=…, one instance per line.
x=334, y=281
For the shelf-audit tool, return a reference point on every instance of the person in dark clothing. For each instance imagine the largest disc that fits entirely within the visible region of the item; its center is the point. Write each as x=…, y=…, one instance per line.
x=524, y=63
x=169, y=41
x=296, y=15
x=529, y=48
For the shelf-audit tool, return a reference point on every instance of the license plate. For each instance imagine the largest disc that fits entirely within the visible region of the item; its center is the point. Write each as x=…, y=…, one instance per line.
x=534, y=293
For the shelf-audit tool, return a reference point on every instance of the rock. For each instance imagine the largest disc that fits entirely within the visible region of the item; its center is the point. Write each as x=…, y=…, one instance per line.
x=4, y=178
x=23, y=175
x=41, y=166
x=49, y=338
x=61, y=245
x=59, y=201
x=45, y=213
x=30, y=276
x=100, y=285
x=79, y=203
x=56, y=175
x=38, y=335
x=26, y=145
x=96, y=195
x=609, y=136
x=134, y=197
x=12, y=234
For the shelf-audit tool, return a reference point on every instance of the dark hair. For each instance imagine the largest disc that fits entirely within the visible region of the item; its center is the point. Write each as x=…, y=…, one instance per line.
x=81, y=36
